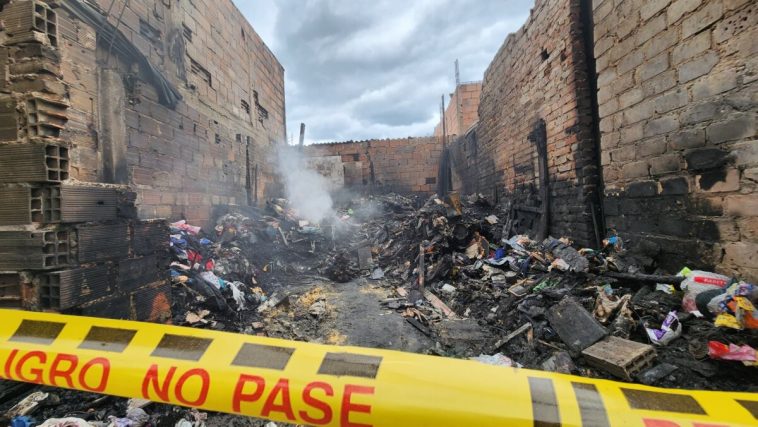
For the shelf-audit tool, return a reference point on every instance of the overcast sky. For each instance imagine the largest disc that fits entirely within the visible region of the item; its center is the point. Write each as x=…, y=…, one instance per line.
x=361, y=69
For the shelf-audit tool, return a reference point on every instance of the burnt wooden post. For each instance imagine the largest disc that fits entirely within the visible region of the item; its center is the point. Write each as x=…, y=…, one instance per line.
x=302, y=135
x=538, y=136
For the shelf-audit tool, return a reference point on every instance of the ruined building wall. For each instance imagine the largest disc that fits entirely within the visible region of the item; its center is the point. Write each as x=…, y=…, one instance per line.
x=100, y=133
x=213, y=147
x=462, y=110
x=539, y=73
x=407, y=165
x=677, y=85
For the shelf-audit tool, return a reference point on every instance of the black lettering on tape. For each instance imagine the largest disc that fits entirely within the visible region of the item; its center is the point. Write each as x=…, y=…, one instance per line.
x=591, y=405
x=37, y=332
x=113, y=340
x=751, y=406
x=181, y=347
x=263, y=356
x=544, y=404
x=657, y=401
x=349, y=364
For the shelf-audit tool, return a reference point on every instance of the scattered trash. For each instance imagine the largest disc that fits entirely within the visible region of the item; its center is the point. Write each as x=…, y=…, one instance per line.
x=182, y=225
x=607, y=303
x=137, y=415
x=721, y=351
x=670, y=330
x=735, y=307
x=700, y=281
x=448, y=288
x=65, y=422
x=613, y=243
x=22, y=422
x=488, y=290
x=237, y=294
x=560, y=249
x=496, y=359
x=559, y=264
x=377, y=274
x=478, y=248
x=28, y=405
x=212, y=279
x=141, y=403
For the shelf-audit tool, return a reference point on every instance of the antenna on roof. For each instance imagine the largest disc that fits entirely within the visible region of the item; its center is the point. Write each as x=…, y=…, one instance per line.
x=457, y=74
x=458, y=100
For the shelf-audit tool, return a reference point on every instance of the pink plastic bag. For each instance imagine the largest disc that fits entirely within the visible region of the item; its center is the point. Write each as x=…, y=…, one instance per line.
x=717, y=350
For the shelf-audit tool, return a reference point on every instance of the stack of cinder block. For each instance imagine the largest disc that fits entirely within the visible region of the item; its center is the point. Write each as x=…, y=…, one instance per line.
x=64, y=245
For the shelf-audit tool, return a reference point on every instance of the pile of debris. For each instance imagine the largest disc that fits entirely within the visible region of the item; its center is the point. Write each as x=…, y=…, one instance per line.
x=465, y=281
x=457, y=275
x=216, y=274
x=212, y=275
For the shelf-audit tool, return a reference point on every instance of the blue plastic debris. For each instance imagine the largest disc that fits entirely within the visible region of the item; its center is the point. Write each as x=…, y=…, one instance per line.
x=22, y=422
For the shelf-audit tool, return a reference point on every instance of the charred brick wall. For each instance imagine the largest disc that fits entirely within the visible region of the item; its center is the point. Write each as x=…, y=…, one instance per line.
x=114, y=114
x=407, y=165
x=539, y=73
x=213, y=146
x=677, y=94
x=463, y=109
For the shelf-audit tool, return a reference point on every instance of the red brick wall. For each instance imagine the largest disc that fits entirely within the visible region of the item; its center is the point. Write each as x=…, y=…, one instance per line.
x=462, y=110
x=57, y=88
x=181, y=161
x=540, y=72
x=677, y=93
x=384, y=165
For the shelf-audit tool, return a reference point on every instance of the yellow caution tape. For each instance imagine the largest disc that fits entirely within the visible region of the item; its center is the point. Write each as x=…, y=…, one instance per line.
x=333, y=386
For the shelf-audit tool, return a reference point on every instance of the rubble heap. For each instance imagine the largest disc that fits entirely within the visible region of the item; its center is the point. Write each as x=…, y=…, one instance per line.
x=462, y=277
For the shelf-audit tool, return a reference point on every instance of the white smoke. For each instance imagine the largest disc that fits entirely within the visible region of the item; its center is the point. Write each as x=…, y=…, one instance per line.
x=306, y=189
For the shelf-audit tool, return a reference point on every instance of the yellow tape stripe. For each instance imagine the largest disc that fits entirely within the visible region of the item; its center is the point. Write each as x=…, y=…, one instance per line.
x=315, y=384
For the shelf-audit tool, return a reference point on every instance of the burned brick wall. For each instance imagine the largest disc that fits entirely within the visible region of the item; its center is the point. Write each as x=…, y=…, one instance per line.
x=677, y=95
x=464, y=155
x=539, y=74
x=462, y=110
x=212, y=146
x=113, y=113
x=407, y=165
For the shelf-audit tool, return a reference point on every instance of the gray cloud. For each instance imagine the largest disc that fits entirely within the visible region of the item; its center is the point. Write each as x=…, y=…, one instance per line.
x=358, y=69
